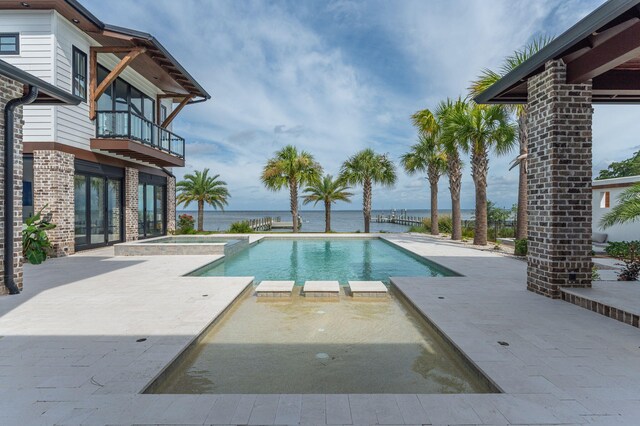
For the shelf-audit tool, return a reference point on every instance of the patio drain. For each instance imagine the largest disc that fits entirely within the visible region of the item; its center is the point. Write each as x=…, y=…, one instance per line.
x=141, y=340
x=501, y=343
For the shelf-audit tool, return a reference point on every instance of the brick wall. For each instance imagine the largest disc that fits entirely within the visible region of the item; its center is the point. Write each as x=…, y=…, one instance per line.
x=53, y=187
x=10, y=89
x=130, y=204
x=559, y=167
x=171, y=204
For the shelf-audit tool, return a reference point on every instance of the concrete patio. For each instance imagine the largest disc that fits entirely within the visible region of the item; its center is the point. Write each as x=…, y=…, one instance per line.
x=71, y=349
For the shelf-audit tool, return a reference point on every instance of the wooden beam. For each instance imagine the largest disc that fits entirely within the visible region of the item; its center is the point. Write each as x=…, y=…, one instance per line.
x=111, y=77
x=93, y=82
x=618, y=82
x=617, y=50
x=175, y=112
x=113, y=49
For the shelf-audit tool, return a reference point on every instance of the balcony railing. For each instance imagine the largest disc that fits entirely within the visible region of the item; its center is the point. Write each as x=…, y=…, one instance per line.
x=129, y=125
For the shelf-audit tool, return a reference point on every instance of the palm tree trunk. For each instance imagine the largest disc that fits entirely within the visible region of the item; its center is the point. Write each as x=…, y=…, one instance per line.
x=366, y=204
x=479, y=170
x=522, y=217
x=454, y=169
x=200, y=215
x=434, y=176
x=327, y=216
x=293, y=191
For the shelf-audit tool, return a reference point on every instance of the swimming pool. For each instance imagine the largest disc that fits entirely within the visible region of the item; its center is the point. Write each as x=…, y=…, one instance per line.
x=308, y=345
x=338, y=259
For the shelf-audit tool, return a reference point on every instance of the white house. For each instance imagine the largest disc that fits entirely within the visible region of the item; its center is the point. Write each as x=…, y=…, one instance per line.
x=605, y=197
x=103, y=167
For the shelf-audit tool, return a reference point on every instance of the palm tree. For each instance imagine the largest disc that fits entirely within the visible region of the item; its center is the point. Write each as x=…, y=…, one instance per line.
x=366, y=168
x=427, y=156
x=328, y=191
x=486, y=79
x=479, y=129
x=290, y=168
x=202, y=188
x=627, y=210
x=432, y=123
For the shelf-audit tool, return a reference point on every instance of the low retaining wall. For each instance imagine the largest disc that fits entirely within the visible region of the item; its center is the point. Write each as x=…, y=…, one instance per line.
x=146, y=248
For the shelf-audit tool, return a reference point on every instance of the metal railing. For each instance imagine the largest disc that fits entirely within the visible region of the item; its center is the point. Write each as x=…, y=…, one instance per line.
x=129, y=125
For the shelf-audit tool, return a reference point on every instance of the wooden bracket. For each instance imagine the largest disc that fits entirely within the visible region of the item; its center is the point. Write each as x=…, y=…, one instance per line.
x=175, y=112
x=96, y=91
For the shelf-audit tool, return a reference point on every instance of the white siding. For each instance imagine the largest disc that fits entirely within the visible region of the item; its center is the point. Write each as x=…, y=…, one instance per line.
x=626, y=232
x=73, y=124
x=46, y=45
x=36, y=57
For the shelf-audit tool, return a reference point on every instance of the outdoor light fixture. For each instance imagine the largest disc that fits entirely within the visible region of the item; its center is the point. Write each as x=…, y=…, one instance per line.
x=573, y=277
x=76, y=21
x=25, y=4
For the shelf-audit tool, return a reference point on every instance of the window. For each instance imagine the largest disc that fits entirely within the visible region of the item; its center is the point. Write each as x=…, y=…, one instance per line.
x=79, y=78
x=163, y=113
x=121, y=96
x=9, y=43
x=605, y=200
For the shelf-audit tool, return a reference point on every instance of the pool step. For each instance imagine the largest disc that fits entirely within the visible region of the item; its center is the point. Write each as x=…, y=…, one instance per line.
x=275, y=288
x=321, y=288
x=368, y=288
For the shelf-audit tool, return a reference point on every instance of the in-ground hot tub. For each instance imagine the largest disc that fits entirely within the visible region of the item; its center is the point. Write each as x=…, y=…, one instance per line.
x=183, y=245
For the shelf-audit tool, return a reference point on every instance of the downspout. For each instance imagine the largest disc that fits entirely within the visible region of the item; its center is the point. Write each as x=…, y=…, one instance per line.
x=8, y=184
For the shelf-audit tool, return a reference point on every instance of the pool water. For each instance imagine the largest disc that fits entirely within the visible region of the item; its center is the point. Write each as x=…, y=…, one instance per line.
x=323, y=259
x=312, y=345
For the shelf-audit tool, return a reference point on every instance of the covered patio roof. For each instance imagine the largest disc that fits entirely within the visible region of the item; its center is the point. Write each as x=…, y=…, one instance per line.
x=604, y=46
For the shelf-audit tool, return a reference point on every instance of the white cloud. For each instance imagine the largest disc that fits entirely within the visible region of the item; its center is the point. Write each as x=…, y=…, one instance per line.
x=333, y=78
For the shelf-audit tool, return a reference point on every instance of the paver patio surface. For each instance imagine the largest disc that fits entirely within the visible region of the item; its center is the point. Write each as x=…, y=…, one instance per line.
x=69, y=351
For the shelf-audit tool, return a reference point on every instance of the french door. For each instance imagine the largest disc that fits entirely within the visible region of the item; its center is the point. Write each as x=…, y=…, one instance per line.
x=152, y=206
x=98, y=210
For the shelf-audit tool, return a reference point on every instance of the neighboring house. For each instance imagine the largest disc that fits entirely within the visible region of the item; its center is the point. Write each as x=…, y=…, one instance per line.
x=605, y=197
x=17, y=88
x=103, y=167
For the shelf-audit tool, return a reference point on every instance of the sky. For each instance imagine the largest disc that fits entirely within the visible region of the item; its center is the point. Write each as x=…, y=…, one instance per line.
x=333, y=77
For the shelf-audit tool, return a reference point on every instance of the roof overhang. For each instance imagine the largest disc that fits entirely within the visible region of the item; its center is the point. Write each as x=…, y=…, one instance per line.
x=603, y=47
x=156, y=65
x=48, y=94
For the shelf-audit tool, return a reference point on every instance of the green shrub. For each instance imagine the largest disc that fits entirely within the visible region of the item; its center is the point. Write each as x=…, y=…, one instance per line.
x=629, y=253
x=185, y=224
x=240, y=228
x=445, y=225
x=35, y=242
x=595, y=275
x=521, y=247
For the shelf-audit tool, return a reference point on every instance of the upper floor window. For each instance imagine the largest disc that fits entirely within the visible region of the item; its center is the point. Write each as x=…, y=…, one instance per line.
x=79, y=77
x=9, y=43
x=605, y=200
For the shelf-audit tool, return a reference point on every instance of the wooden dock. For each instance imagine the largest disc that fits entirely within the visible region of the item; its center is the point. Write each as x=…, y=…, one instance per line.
x=400, y=219
x=268, y=224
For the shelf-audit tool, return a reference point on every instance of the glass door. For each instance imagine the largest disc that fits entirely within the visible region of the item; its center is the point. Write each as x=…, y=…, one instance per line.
x=98, y=210
x=80, y=197
x=152, y=217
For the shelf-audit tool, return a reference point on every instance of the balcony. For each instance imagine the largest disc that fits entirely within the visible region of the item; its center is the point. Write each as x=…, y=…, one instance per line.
x=130, y=135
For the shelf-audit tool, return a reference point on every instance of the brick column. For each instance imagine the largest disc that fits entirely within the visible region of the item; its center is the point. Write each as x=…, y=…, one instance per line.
x=130, y=204
x=171, y=204
x=53, y=187
x=10, y=89
x=559, y=167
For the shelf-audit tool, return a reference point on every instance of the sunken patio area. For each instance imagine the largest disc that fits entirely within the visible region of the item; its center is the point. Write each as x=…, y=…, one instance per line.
x=71, y=348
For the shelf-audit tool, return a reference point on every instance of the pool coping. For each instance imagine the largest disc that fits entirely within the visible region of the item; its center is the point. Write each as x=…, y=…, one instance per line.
x=542, y=381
